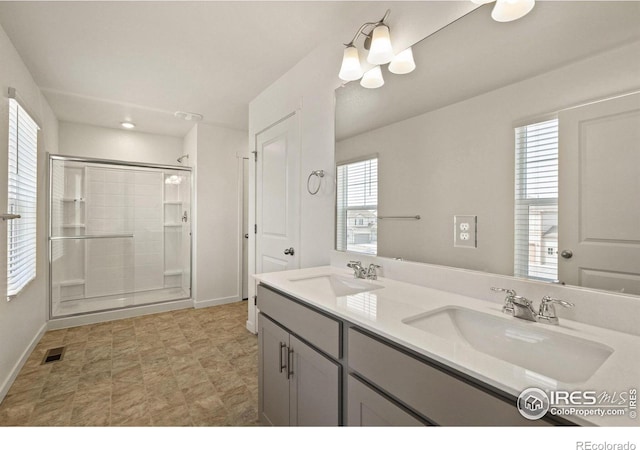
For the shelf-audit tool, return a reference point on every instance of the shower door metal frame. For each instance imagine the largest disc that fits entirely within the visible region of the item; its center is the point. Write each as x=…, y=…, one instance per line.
x=112, y=162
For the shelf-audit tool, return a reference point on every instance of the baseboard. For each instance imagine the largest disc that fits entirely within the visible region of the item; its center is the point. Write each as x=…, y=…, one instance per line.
x=23, y=359
x=216, y=301
x=251, y=327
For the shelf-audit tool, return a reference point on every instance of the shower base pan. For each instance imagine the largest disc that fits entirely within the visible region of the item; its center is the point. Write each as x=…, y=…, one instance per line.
x=113, y=302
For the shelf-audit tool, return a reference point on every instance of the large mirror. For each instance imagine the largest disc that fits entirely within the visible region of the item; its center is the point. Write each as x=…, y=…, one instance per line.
x=516, y=144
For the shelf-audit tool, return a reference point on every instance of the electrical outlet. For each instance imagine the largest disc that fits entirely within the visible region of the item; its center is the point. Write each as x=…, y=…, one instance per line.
x=465, y=231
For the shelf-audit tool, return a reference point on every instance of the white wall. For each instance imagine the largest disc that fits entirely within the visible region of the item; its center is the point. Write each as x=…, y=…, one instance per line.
x=22, y=321
x=308, y=88
x=90, y=141
x=217, y=155
x=460, y=160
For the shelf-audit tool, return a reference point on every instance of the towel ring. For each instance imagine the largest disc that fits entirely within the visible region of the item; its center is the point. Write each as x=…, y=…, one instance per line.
x=320, y=175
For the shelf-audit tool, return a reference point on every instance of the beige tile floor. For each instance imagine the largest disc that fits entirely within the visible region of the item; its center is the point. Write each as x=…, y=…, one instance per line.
x=181, y=368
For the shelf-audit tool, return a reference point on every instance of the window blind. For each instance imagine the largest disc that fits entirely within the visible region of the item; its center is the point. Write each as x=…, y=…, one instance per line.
x=22, y=199
x=357, y=206
x=536, y=201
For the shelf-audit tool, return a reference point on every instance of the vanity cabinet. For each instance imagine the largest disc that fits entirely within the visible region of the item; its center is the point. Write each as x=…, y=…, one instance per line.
x=320, y=369
x=298, y=384
x=440, y=397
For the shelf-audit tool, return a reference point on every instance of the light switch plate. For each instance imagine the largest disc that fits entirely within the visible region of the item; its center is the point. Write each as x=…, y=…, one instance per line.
x=465, y=231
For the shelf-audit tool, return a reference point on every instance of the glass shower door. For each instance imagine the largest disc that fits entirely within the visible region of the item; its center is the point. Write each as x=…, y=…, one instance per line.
x=119, y=235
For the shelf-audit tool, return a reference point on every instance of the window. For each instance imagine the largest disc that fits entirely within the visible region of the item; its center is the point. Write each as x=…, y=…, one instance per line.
x=536, y=206
x=22, y=198
x=357, y=207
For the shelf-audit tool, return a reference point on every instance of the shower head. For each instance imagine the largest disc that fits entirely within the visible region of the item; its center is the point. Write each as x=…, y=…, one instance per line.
x=182, y=158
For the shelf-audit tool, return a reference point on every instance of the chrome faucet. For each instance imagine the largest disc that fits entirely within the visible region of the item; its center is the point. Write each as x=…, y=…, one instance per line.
x=358, y=270
x=371, y=272
x=522, y=307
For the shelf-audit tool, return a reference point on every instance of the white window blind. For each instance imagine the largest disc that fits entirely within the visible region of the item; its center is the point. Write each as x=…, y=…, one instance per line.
x=536, y=205
x=22, y=198
x=357, y=207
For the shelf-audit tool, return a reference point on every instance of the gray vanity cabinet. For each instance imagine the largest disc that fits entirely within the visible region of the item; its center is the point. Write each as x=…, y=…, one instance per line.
x=298, y=385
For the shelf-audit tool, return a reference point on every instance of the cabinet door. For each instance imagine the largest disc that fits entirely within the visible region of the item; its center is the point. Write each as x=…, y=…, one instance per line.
x=314, y=387
x=273, y=383
x=367, y=408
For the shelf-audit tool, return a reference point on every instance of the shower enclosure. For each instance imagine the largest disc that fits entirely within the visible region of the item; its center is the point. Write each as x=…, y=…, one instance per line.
x=119, y=235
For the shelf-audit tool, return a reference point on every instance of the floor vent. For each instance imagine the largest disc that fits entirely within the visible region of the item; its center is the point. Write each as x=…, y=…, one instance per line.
x=53, y=355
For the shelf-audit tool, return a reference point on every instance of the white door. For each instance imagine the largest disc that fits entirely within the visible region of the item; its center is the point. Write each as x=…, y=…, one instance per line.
x=599, y=218
x=278, y=197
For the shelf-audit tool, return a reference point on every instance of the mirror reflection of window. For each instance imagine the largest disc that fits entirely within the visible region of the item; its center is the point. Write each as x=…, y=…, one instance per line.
x=357, y=206
x=536, y=206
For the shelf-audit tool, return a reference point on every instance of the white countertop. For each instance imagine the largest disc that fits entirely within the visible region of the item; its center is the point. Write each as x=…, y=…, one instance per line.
x=381, y=311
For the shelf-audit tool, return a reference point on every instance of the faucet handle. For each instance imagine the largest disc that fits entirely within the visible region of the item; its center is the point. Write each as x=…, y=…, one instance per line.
x=508, y=291
x=371, y=271
x=508, y=300
x=547, y=310
x=354, y=263
x=547, y=299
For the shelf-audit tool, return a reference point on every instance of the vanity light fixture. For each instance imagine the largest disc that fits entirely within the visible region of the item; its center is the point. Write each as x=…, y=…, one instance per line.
x=372, y=79
x=128, y=125
x=508, y=10
x=378, y=43
x=402, y=63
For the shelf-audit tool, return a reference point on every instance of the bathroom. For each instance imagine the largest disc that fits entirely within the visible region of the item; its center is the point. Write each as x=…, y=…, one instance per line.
x=214, y=116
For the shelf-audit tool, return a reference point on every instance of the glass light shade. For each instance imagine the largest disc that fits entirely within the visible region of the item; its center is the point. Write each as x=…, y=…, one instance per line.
x=508, y=10
x=403, y=62
x=351, y=69
x=372, y=78
x=380, y=51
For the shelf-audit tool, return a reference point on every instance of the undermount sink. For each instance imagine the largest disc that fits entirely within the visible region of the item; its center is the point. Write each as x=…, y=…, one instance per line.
x=548, y=353
x=338, y=285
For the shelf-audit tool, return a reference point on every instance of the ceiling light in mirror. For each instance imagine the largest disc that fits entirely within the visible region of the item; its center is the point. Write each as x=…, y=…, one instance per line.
x=403, y=62
x=351, y=69
x=372, y=79
x=381, y=51
x=508, y=10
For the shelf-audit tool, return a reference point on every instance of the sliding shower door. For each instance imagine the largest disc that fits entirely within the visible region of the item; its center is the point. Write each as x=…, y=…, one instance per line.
x=120, y=235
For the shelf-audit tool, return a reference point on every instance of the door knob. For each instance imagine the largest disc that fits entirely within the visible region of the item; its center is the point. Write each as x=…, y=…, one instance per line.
x=289, y=251
x=566, y=254
x=246, y=235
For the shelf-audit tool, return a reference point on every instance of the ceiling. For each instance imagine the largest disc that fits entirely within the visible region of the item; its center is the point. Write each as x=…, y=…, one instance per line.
x=475, y=55
x=105, y=62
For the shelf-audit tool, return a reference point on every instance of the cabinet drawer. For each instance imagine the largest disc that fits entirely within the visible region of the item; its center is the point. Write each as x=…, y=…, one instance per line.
x=367, y=408
x=437, y=395
x=317, y=329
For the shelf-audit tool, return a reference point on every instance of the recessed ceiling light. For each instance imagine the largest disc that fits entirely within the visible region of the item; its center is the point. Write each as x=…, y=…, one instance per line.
x=128, y=125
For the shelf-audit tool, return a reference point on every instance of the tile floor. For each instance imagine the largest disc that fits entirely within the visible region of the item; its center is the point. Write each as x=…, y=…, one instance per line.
x=180, y=368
